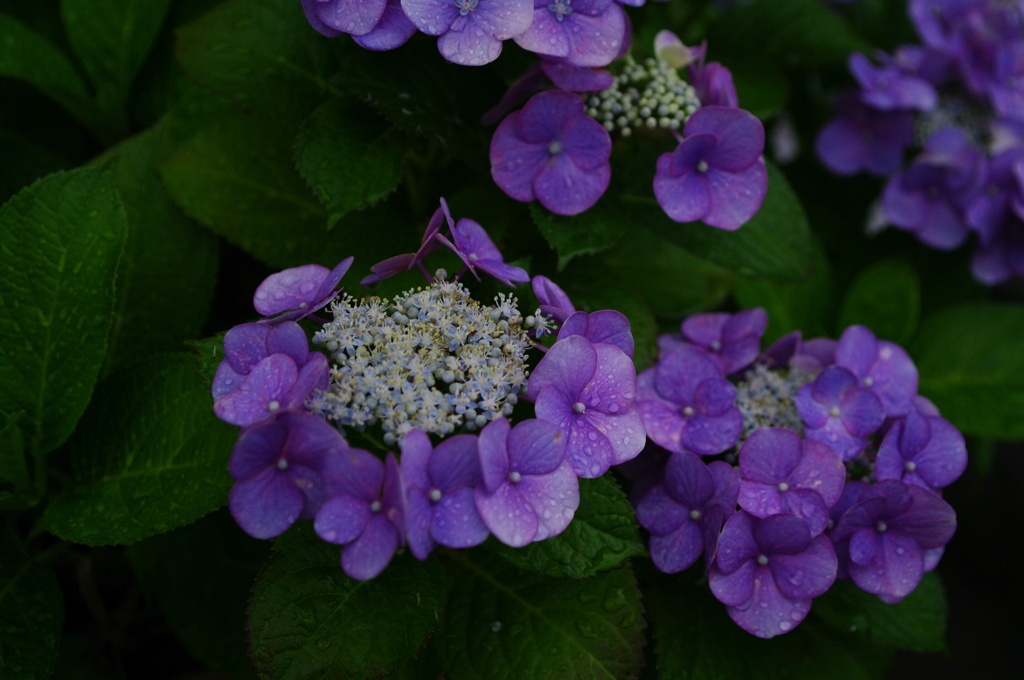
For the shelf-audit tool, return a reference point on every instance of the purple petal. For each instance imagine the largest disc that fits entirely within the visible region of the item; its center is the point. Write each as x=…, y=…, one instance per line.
x=690, y=152
x=930, y=521
x=864, y=546
x=351, y=16
x=456, y=522
x=735, y=197
x=418, y=518
x=543, y=118
x=768, y=613
x=257, y=448
x=535, y=447
x=705, y=329
x=514, y=162
x=469, y=47
x=566, y=189
x=546, y=36
x=565, y=76
x=507, y=514
x=808, y=506
x=659, y=513
x=862, y=412
x=713, y=435
x=289, y=289
x=416, y=450
x=895, y=570
x=354, y=472
x=313, y=376
x=548, y=293
x=586, y=143
x=624, y=432
x=226, y=380
x=494, y=460
x=309, y=8
x=688, y=480
x=735, y=588
x=472, y=240
x=736, y=544
x=288, y=338
x=678, y=550
x=663, y=423
x=770, y=455
x=679, y=374
x=761, y=500
x=781, y=534
x=367, y=556
x=807, y=574
x=685, y=198
x=310, y=440
x=944, y=459
x=504, y=18
x=266, y=504
x=342, y=519
x=455, y=463
x=814, y=414
x=393, y=29
x=554, y=496
x=261, y=394
x=433, y=17
x=569, y=366
x=820, y=470
x=739, y=135
x=245, y=346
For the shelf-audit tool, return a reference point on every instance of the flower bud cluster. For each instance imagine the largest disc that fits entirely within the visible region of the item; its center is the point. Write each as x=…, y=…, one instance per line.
x=432, y=359
x=767, y=398
x=650, y=95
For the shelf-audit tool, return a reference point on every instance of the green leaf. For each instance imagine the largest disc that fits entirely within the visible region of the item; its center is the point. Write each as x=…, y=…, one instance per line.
x=761, y=86
x=149, y=457
x=350, y=157
x=31, y=614
x=602, y=535
x=111, y=39
x=802, y=306
x=917, y=622
x=168, y=271
x=696, y=640
x=13, y=467
x=209, y=354
x=885, y=297
x=306, y=617
x=30, y=57
x=592, y=231
x=971, y=364
x=775, y=244
x=62, y=238
x=502, y=623
x=262, y=54
x=200, y=576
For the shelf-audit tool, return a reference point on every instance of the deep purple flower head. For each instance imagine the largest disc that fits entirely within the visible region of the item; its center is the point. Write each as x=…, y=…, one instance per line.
x=837, y=411
x=929, y=197
x=922, y=449
x=477, y=250
x=439, y=485
x=882, y=538
x=554, y=152
x=470, y=31
x=583, y=32
x=1003, y=258
x=883, y=367
x=687, y=403
x=888, y=87
x=277, y=465
x=780, y=473
x=992, y=208
x=863, y=138
x=428, y=244
x=296, y=293
x=768, y=570
x=529, y=491
x=606, y=325
x=734, y=340
x=716, y=174
x=365, y=511
x=589, y=391
x=553, y=300
x=686, y=511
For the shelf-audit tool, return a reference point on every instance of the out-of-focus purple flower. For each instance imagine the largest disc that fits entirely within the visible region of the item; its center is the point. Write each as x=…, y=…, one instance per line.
x=993, y=206
x=529, y=492
x=277, y=466
x=553, y=300
x=923, y=450
x=439, y=484
x=863, y=138
x=1004, y=257
x=296, y=293
x=606, y=325
x=554, y=152
x=364, y=511
x=589, y=391
x=470, y=31
x=780, y=473
x=929, y=197
x=711, y=80
x=934, y=20
x=734, y=340
x=687, y=403
x=887, y=87
x=476, y=249
x=768, y=570
x=566, y=76
x=583, y=32
x=839, y=412
x=806, y=356
x=686, y=511
x=400, y=263
x=933, y=65
x=716, y=174
x=883, y=367
x=883, y=537
x=275, y=385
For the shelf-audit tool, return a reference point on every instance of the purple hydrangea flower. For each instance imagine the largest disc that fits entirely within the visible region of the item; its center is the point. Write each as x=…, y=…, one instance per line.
x=883, y=367
x=364, y=512
x=589, y=391
x=428, y=244
x=277, y=466
x=734, y=340
x=887, y=87
x=687, y=403
x=712, y=81
x=768, y=570
x=923, y=450
x=780, y=473
x=373, y=24
x=470, y=31
x=1004, y=257
x=393, y=29
x=554, y=152
x=302, y=290
x=275, y=385
x=248, y=344
x=992, y=208
x=582, y=32
x=686, y=511
x=554, y=302
x=606, y=325
x=806, y=356
x=439, y=484
x=476, y=249
x=837, y=411
x=863, y=138
x=716, y=174
x=529, y=492
x=882, y=538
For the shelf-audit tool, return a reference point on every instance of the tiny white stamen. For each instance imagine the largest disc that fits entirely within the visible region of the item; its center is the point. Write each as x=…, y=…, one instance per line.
x=762, y=560
x=282, y=464
x=702, y=166
x=274, y=405
x=882, y=527
x=688, y=411
x=375, y=506
x=435, y=495
x=834, y=411
x=514, y=477
x=555, y=148
x=910, y=466
x=869, y=381
x=783, y=486
x=694, y=515
x=579, y=407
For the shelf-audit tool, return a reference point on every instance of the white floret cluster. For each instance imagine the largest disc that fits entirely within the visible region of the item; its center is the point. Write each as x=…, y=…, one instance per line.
x=432, y=359
x=649, y=95
x=767, y=398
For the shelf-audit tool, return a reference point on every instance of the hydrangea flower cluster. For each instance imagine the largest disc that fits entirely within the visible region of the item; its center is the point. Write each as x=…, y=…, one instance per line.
x=424, y=371
x=553, y=152
x=959, y=96
x=825, y=463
